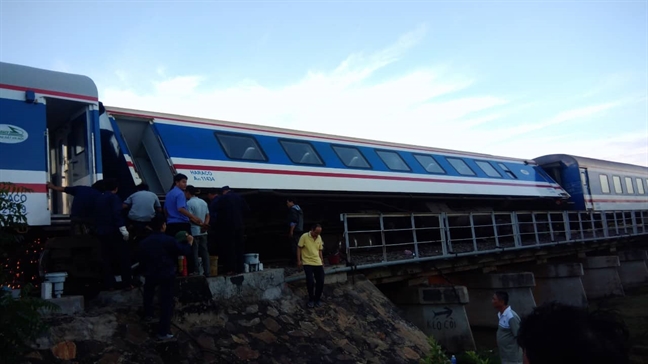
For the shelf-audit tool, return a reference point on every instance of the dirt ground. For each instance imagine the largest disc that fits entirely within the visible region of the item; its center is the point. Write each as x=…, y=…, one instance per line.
x=633, y=308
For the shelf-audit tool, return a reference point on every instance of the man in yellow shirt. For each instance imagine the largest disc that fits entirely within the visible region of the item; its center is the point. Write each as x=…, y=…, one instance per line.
x=309, y=255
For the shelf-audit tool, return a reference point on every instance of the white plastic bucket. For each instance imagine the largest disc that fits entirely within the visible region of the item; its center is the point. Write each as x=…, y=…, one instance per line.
x=252, y=258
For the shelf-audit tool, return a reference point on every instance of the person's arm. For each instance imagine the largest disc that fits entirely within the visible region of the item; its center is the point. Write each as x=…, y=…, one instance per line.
x=117, y=217
x=294, y=220
x=156, y=205
x=128, y=203
x=54, y=187
x=207, y=218
x=300, y=245
x=183, y=209
x=514, y=324
x=321, y=249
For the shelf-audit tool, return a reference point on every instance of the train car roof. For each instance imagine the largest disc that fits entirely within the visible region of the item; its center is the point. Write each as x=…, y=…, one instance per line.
x=591, y=163
x=22, y=78
x=292, y=133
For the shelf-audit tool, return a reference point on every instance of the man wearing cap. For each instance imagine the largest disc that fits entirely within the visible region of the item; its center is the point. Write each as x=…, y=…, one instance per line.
x=198, y=207
x=158, y=254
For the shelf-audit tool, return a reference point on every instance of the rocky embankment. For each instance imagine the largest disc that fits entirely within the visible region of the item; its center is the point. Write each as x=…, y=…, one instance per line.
x=357, y=324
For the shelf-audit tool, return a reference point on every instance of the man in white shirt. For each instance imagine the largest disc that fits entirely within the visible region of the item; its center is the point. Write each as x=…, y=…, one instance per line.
x=507, y=330
x=198, y=208
x=143, y=206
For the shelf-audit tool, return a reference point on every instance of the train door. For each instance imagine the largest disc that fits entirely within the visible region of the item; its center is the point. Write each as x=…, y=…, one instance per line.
x=149, y=156
x=71, y=154
x=78, y=165
x=587, y=193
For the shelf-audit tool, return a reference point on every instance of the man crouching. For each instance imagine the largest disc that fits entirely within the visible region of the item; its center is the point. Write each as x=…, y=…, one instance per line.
x=158, y=254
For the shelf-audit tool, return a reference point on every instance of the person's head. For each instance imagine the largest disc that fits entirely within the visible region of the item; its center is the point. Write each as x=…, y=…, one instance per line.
x=500, y=300
x=191, y=191
x=158, y=223
x=212, y=193
x=316, y=230
x=290, y=202
x=180, y=181
x=182, y=236
x=556, y=333
x=99, y=185
x=111, y=185
x=142, y=187
x=225, y=190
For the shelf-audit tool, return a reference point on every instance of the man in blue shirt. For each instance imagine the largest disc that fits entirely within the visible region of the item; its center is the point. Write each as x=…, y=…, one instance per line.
x=81, y=218
x=177, y=212
x=158, y=254
x=112, y=233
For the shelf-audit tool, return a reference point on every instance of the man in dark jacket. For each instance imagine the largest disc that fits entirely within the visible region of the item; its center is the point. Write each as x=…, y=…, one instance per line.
x=212, y=235
x=158, y=256
x=112, y=233
x=296, y=226
x=81, y=212
x=231, y=209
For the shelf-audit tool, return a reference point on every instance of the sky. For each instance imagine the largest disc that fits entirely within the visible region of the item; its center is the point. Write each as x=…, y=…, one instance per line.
x=510, y=78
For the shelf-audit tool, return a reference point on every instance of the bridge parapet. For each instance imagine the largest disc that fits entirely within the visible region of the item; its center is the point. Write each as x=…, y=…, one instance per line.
x=374, y=240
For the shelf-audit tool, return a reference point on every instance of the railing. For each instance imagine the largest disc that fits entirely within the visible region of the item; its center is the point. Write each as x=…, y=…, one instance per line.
x=387, y=239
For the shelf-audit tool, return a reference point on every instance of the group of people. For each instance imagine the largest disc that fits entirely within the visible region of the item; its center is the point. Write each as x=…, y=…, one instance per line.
x=98, y=210
x=186, y=226
x=556, y=333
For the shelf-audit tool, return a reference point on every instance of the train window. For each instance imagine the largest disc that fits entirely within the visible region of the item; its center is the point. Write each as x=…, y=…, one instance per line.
x=605, y=183
x=393, y=160
x=301, y=152
x=507, y=170
x=640, y=187
x=429, y=163
x=629, y=186
x=238, y=146
x=488, y=169
x=351, y=157
x=617, y=185
x=461, y=166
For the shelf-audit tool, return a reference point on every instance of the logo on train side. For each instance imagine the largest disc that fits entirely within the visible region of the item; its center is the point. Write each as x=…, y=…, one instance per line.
x=12, y=134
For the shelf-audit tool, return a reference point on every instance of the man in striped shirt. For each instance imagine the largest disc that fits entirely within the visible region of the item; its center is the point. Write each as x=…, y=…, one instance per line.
x=507, y=330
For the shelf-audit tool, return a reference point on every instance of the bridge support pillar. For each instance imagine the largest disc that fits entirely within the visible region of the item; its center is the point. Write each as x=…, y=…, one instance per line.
x=519, y=287
x=560, y=282
x=601, y=277
x=439, y=312
x=633, y=270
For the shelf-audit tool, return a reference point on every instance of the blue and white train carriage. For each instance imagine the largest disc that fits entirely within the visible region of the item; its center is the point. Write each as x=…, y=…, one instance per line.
x=214, y=153
x=48, y=124
x=597, y=184
x=52, y=127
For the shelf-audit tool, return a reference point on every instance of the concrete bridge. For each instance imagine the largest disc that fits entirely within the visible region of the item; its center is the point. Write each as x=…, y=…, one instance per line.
x=442, y=269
